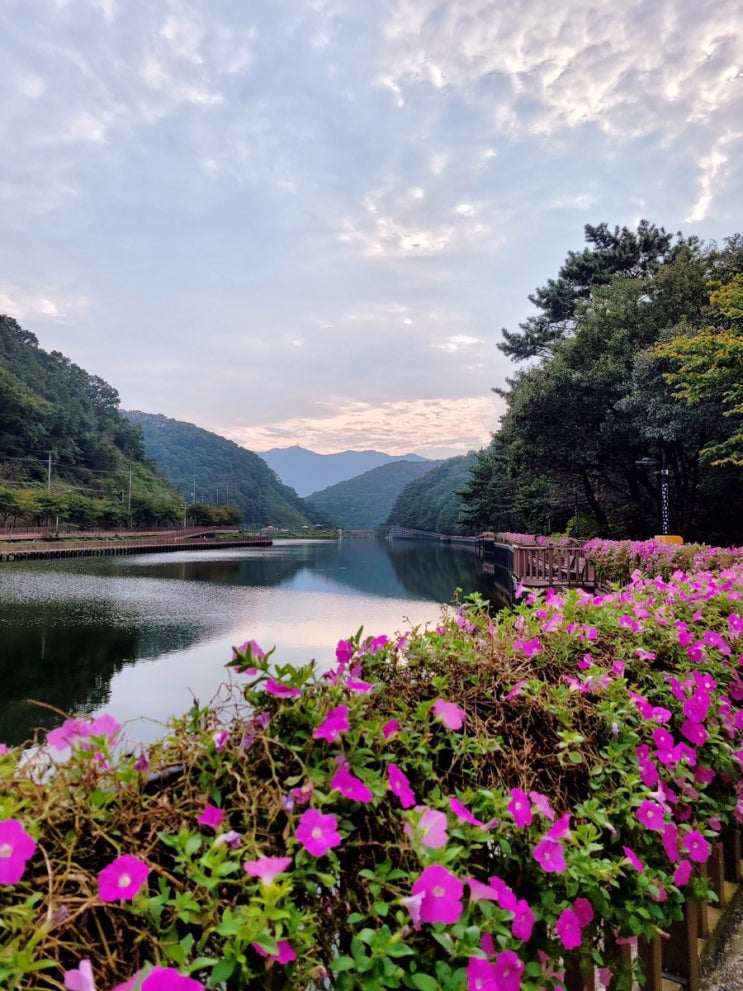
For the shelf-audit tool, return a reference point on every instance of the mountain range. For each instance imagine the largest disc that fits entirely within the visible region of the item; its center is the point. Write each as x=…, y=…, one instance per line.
x=306, y=472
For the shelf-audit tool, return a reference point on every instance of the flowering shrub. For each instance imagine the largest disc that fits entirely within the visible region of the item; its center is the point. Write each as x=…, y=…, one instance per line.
x=481, y=805
x=615, y=560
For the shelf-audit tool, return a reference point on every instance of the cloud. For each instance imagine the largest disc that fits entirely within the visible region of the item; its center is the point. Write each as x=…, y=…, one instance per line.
x=451, y=425
x=47, y=304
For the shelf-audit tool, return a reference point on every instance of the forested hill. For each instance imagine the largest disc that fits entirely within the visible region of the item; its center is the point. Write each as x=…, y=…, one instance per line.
x=365, y=501
x=433, y=501
x=218, y=471
x=66, y=450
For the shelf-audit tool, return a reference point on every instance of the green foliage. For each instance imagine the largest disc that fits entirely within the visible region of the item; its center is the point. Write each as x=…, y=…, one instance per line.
x=209, y=469
x=599, y=401
x=364, y=502
x=53, y=408
x=540, y=726
x=434, y=502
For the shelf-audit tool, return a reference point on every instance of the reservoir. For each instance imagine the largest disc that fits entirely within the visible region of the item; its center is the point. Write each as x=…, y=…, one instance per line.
x=144, y=636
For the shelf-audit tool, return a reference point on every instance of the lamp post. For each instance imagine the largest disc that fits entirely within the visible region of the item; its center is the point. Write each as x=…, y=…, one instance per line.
x=663, y=473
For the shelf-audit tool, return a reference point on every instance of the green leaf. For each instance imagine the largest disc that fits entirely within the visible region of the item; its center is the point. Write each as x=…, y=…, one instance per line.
x=424, y=982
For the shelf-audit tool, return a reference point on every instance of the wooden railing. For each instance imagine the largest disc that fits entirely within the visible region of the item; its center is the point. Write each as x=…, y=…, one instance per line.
x=542, y=565
x=673, y=960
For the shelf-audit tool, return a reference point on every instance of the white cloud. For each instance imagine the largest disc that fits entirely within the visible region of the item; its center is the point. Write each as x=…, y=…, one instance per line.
x=45, y=304
x=456, y=425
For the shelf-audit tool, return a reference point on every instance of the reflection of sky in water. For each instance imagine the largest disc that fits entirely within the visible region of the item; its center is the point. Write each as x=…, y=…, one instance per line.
x=178, y=616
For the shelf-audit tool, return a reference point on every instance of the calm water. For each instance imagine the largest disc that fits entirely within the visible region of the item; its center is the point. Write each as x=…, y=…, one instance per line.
x=141, y=636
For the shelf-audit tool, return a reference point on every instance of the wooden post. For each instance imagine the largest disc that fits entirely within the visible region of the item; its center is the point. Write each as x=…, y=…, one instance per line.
x=679, y=952
x=650, y=951
x=577, y=979
x=732, y=854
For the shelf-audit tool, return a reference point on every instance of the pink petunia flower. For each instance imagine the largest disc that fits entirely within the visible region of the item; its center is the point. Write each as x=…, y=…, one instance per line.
x=282, y=691
x=266, y=868
x=540, y=803
x=335, y=723
x=80, y=979
x=583, y=911
x=508, y=970
x=481, y=975
x=520, y=807
x=318, y=833
x=682, y=873
x=122, y=879
x=462, y=812
x=523, y=921
x=696, y=846
x=16, y=847
x=650, y=815
x=449, y=714
x=211, y=816
x=230, y=839
x=429, y=829
x=634, y=859
x=390, y=728
x=350, y=786
x=285, y=955
x=162, y=979
x=561, y=828
x=567, y=928
x=400, y=786
x=548, y=853
x=442, y=895
x=480, y=892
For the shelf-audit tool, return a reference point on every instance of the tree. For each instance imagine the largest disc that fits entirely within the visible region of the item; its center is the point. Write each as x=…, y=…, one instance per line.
x=620, y=253
x=709, y=365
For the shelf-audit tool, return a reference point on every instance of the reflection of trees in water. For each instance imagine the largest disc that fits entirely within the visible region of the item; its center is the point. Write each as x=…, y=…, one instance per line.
x=68, y=664
x=265, y=570
x=434, y=570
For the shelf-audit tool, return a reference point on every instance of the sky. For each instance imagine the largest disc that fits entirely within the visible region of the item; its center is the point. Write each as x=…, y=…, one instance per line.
x=307, y=221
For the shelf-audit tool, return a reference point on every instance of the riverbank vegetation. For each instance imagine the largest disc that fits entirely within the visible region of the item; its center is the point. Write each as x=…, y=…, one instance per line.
x=479, y=804
x=629, y=368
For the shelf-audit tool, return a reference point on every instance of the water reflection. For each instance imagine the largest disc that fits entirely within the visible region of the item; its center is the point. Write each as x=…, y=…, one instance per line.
x=76, y=633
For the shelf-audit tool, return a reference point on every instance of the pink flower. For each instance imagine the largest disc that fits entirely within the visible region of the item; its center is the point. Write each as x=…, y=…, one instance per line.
x=583, y=911
x=413, y=904
x=650, y=815
x=220, y=739
x=633, y=859
x=481, y=975
x=549, y=855
x=480, y=892
x=694, y=732
x=429, y=829
x=540, y=803
x=344, y=652
x=448, y=713
x=122, y=878
x=682, y=873
x=16, y=847
x=282, y=691
x=560, y=828
x=696, y=846
x=462, y=812
x=211, y=816
x=80, y=979
x=389, y=729
x=523, y=921
x=442, y=895
x=520, y=808
x=266, y=868
x=104, y=725
x=66, y=734
x=335, y=723
x=249, y=649
x=350, y=786
x=285, y=955
x=317, y=832
x=400, y=786
x=567, y=928
x=230, y=839
x=508, y=969
x=162, y=979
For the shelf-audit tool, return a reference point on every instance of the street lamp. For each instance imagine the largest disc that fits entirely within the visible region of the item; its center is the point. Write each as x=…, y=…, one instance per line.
x=663, y=472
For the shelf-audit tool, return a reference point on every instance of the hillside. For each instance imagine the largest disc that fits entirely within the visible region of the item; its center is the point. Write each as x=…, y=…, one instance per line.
x=309, y=472
x=431, y=502
x=365, y=501
x=66, y=451
x=207, y=468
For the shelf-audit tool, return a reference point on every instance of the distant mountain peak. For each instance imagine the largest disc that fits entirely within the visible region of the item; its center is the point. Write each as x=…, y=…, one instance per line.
x=306, y=471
